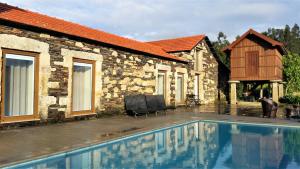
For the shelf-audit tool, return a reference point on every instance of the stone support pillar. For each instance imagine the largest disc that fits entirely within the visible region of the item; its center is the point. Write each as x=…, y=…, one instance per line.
x=233, y=95
x=275, y=90
x=281, y=90
x=261, y=93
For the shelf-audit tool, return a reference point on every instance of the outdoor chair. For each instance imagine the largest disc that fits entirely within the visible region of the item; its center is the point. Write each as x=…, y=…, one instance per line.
x=156, y=103
x=136, y=105
x=191, y=99
x=269, y=108
x=292, y=112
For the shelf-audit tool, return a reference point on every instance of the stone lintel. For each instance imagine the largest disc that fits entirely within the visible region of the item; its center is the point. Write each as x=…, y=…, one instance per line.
x=282, y=82
x=276, y=81
x=233, y=81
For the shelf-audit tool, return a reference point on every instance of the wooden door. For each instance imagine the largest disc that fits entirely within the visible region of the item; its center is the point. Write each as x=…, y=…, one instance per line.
x=252, y=64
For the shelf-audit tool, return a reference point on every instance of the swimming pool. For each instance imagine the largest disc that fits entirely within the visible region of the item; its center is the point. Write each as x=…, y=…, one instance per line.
x=197, y=144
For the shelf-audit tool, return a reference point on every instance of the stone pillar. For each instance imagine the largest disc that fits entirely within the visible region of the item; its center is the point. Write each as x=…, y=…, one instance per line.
x=275, y=90
x=261, y=94
x=280, y=90
x=233, y=96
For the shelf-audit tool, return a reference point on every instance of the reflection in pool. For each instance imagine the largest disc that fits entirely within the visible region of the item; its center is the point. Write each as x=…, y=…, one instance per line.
x=193, y=145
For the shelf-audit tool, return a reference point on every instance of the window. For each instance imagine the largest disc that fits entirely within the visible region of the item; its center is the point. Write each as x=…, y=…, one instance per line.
x=179, y=90
x=198, y=61
x=161, y=83
x=83, y=86
x=19, y=92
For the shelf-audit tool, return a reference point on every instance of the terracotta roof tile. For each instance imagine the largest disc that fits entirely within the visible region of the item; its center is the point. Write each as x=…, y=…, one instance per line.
x=179, y=44
x=21, y=16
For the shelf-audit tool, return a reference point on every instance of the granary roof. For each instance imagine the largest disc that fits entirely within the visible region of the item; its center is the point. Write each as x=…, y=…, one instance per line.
x=271, y=41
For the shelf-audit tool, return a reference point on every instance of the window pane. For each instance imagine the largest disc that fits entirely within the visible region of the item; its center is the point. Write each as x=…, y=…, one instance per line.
x=179, y=90
x=19, y=85
x=161, y=84
x=197, y=62
x=82, y=86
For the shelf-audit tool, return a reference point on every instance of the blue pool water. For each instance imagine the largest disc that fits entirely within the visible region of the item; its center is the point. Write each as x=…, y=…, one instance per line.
x=200, y=144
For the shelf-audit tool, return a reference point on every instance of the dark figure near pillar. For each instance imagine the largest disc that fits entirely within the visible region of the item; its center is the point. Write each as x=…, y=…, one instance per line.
x=269, y=108
x=266, y=93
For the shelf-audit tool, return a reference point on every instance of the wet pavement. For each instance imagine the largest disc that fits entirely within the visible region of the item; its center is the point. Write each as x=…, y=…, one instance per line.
x=244, y=109
x=28, y=143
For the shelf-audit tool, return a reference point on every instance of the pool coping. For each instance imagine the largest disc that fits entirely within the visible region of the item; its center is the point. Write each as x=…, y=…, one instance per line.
x=129, y=136
x=254, y=123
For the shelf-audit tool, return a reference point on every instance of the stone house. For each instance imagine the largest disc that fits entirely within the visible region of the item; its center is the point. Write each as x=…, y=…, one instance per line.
x=52, y=67
x=204, y=73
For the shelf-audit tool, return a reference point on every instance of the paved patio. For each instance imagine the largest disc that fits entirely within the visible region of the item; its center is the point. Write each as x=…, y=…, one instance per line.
x=29, y=143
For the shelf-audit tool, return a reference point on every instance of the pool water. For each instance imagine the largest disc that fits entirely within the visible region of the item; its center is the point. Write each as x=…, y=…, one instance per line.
x=200, y=144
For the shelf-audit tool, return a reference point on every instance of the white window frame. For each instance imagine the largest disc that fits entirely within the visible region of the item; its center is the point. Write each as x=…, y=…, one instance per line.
x=182, y=88
x=184, y=73
x=91, y=64
x=167, y=70
x=162, y=73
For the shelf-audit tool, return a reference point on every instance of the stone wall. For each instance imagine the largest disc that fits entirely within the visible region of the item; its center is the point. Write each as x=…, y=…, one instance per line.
x=125, y=73
x=118, y=72
x=208, y=71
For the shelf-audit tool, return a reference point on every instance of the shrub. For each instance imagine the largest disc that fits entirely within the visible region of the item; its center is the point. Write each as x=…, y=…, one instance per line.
x=291, y=71
x=290, y=99
x=240, y=90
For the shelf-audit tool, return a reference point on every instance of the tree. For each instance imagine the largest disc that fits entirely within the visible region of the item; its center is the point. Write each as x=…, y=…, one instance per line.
x=290, y=37
x=291, y=72
x=221, y=43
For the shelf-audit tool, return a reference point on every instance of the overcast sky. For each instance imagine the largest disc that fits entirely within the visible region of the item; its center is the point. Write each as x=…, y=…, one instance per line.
x=157, y=19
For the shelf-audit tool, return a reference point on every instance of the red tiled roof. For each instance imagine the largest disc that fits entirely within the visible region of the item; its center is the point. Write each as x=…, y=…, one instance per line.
x=179, y=44
x=21, y=16
x=262, y=36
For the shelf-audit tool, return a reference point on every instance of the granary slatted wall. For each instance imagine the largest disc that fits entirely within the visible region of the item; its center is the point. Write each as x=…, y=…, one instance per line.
x=255, y=59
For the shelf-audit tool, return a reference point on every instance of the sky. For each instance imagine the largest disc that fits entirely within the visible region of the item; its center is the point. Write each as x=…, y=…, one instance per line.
x=148, y=20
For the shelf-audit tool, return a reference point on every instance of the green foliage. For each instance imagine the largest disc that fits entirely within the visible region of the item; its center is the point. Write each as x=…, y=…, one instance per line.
x=291, y=72
x=218, y=45
x=290, y=37
x=290, y=99
x=240, y=90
